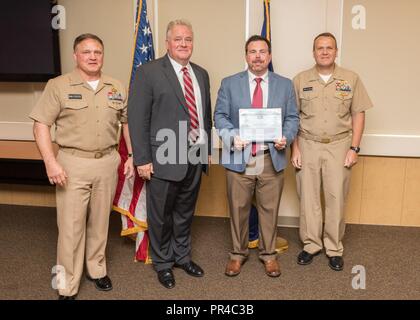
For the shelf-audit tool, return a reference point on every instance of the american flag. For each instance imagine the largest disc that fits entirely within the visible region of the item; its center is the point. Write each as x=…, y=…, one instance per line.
x=130, y=196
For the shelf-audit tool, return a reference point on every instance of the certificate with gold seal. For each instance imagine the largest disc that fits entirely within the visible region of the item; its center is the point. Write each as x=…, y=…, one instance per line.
x=260, y=124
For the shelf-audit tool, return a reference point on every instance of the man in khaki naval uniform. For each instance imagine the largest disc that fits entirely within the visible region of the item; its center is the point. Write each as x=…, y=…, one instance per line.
x=331, y=103
x=86, y=108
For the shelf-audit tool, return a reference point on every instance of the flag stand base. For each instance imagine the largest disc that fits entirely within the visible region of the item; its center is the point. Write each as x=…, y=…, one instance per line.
x=281, y=244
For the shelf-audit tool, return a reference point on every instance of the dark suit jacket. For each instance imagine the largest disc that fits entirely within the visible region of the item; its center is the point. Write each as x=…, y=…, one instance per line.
x=156, y=102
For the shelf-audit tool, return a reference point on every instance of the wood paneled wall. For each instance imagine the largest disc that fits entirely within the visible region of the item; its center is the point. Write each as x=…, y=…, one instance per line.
x=384, y=191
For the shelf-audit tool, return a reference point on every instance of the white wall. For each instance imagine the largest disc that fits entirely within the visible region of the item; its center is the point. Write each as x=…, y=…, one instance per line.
x=294, y=24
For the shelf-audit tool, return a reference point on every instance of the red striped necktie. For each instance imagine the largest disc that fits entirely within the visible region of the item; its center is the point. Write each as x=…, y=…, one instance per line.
x=193, y=132
x=257, y=102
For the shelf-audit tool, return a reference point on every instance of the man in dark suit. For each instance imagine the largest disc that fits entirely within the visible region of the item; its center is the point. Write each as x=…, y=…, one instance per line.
x=169, y=113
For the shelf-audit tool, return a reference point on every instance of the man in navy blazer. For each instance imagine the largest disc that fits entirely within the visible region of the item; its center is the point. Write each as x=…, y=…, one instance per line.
x=254, y=167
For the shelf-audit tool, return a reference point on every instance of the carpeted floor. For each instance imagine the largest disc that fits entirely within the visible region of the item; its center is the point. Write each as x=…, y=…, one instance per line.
x=390, y=256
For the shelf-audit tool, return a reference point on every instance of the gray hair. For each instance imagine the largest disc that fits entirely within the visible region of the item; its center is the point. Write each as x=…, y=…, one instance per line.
x=178, y=22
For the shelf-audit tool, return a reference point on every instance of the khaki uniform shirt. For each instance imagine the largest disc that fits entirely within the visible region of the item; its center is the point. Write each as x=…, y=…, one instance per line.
x=85, y=119
x=325, y=109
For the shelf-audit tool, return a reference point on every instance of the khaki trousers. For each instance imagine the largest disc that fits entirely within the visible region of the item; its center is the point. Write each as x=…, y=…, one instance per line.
x=323, y=167
x=83, y=208
x=268, y=186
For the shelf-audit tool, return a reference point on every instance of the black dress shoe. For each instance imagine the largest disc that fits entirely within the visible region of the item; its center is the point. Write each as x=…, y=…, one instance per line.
x=336, y=263
x=191, y=268
x=60, y=297
x=102, y=284
x=166, y=278
x=305, y=258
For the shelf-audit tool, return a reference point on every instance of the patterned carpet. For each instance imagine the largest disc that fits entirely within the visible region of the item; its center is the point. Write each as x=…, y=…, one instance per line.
x=389, y=256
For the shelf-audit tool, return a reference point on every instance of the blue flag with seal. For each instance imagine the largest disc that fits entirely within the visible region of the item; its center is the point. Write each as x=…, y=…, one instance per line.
x=253, y=215
x=266, y=28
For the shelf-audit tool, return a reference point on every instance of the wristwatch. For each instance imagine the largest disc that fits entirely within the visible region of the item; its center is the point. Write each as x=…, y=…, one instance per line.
x=130, y=155
x=355, y=149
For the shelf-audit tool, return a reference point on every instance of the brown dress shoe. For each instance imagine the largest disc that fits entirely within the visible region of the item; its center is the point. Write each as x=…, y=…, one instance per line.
x=272, y=268
x=233, y=268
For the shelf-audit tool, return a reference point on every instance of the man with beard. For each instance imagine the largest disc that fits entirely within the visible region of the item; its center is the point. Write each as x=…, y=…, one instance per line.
x=255, y=167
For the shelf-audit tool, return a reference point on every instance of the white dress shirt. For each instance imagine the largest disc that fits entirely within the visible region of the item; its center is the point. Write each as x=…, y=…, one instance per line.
x=197, y=94
x=264, y=87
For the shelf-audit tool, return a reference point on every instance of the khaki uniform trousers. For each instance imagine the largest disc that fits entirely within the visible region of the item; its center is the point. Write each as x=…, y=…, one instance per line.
x=323, y=167
x=83, y=208
x=268, y=187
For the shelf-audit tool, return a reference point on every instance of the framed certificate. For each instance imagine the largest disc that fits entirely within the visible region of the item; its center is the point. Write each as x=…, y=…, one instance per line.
x=260, y=124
